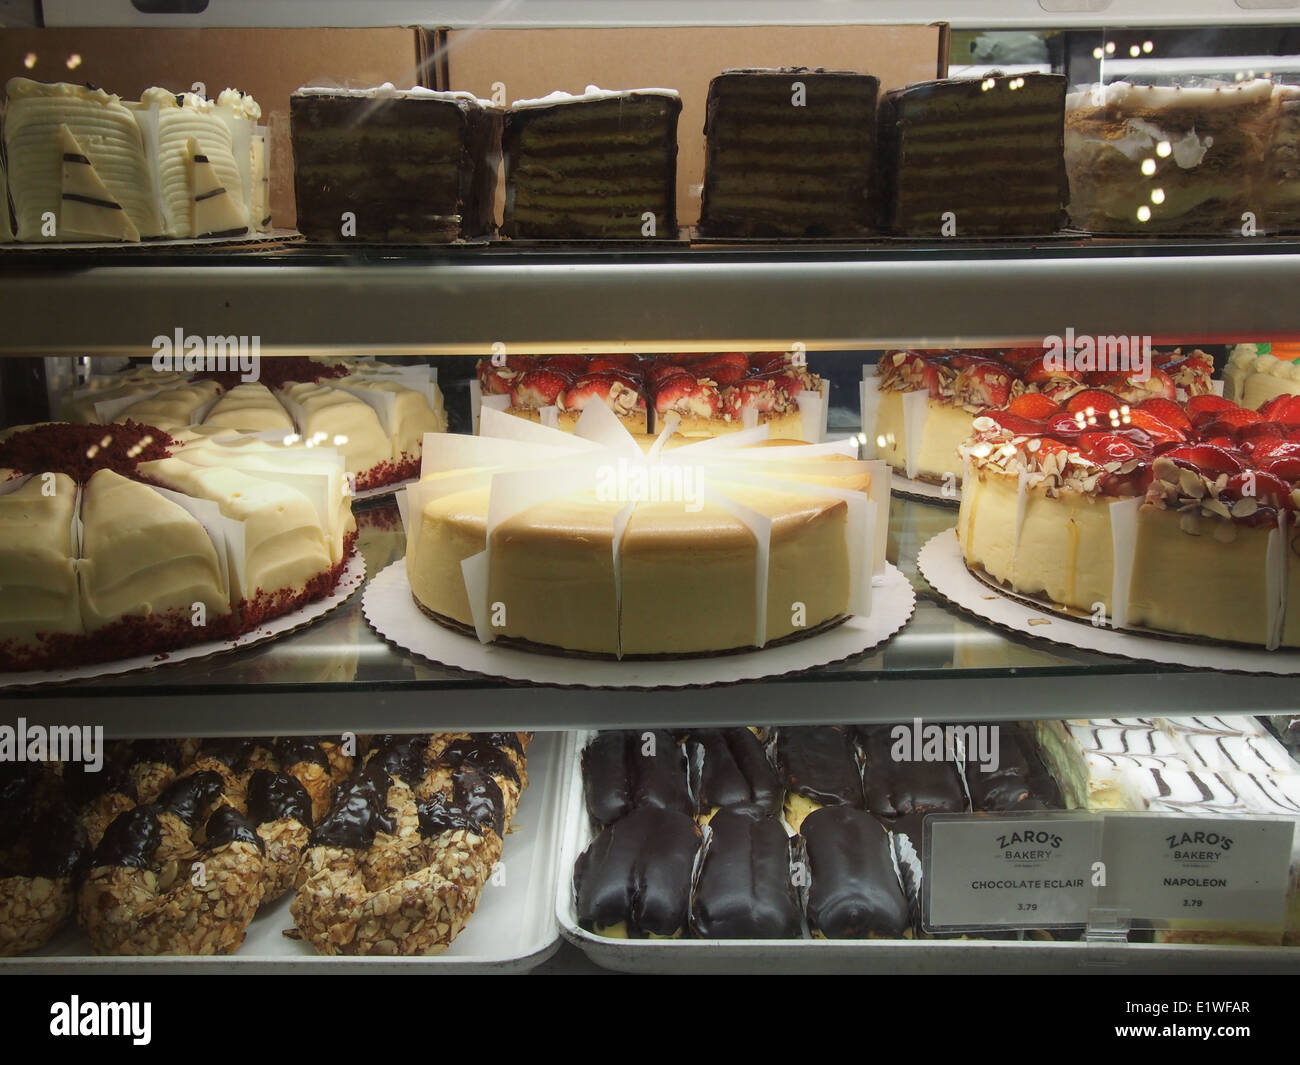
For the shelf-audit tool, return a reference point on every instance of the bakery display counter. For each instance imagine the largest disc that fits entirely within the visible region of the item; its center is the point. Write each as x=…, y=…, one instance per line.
x=338, y=674
x=456, y=301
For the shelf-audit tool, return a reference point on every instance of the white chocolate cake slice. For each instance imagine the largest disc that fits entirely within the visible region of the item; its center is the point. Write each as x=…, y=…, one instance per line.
x=331, y=417
x=38, y=572
x=144, y=554
x=172, y=408
x=108, y=137
x=87, y=209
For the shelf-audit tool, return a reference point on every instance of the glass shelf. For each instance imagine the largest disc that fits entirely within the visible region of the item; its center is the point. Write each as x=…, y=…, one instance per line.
x=338, y=675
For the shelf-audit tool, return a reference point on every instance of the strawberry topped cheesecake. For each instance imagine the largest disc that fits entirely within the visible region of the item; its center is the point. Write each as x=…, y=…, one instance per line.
x=710, y=394
x=918, y=408
x=1178, y=518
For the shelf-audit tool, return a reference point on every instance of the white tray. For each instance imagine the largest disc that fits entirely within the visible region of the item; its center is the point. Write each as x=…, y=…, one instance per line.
x=392, y=612
x=681, y=956
x=512, y=931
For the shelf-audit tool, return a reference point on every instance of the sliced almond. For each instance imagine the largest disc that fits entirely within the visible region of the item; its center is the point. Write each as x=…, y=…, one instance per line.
x=1190, y=524
x=1216, y=506
x=1225, y=532
x=1166, y=470
x=1244, y=507
x=1191, y=485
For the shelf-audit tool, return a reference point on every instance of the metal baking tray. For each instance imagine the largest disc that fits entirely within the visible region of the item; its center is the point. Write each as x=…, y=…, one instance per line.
x=513, y=930
x=871, y=956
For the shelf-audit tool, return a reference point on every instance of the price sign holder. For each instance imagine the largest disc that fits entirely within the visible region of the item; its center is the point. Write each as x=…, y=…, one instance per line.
x=1185, y=873
x=1006, y=872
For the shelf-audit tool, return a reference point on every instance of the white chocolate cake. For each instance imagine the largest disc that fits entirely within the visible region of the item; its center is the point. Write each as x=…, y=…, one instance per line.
x=538, y=536
x=1257, y=373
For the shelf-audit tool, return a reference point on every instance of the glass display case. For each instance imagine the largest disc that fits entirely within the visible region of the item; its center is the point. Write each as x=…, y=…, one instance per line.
x=982, y=571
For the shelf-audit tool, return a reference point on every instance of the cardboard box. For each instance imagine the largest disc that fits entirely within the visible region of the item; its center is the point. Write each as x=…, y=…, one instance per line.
x=269, y=63
x=506, y=65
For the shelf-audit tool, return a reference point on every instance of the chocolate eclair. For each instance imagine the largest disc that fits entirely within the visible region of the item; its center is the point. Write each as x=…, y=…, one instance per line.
x=818, y=767
x=728, y=768
x=745, y=888
x=634, y=879
x=897, y=788
x=853, y=891
x=623, y=771
x=1020, y=781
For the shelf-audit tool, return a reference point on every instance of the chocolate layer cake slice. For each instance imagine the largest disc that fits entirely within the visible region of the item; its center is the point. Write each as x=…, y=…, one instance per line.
x=412, y=165
x=602, y=165
x=791, y=153
x=974, y=157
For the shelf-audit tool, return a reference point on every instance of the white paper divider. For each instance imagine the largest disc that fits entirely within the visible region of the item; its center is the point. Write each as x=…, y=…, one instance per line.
x=869, y=398
x=404, y=511
x=476, y=403
x=16, y=483
x=621, y=520
x=812, y=412
x=661, y=441
x=499, y=425
x=916, y=409
x=600, y=425
x=549, y=416
x=1275, y=581
x=825, y=391
x=761, y=527
x=474, y=570
x=208, y=514
x=881, y=490
x=412, y=500
x=749, y=417
x=1123, y=541
x=860, y=528
x=78, y=529
x=443, y=452
x=1216, y=387
x=741, y=438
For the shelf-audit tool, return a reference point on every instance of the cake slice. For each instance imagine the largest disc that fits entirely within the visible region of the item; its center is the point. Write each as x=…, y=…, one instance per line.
x=1165, y=159
x=172, y=408
x=408, y=166
x=106, y=136
x=1279, y=178
x=600, y=165
x=974, y=157
x=143, y=554
x=790, y=153
x=331, y=417
x=38, y=572
x=249, y=408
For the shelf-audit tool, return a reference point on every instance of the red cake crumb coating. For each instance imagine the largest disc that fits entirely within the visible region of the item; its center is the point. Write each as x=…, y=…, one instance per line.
x=81, y=450
x=277, y=372
x=389, y=473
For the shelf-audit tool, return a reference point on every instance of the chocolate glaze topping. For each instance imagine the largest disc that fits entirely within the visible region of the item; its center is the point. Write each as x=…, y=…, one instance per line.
x=360, y=811
x=295, y=750
x=272, y=796
x=819, y=763
x=401, y=757
x=901, y=788
x=854, y=892
x=18, y=785
x=745, y=889
x=227, y=825
x=618, y=778
x=638, y=871
x=727, y=767
x=60, y=847
x=480, y=754
x=233, y=753
x=509, y=740
x=82, y=786
x=480, y=797
x=131, y=840
x=189, y=796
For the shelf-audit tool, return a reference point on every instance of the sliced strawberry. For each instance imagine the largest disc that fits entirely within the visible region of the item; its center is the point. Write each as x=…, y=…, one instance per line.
x=1065, y=426
x=625, y=362
x=1102, y=448
x=1158, y=431
x=1038, y=372
x=1014, y=423
x=688, y=395
x=1200, y=404
x=1206, y=458
x=761, y=394
x=769, y=361
x=1288, y=412
x=1033, y=405
x=1230, y=422
x=572, y=366
x=724, y=368
x=1263, y=485
x=497, y=380
x=1286, y=467
x=1265, y=451
x=1101, y=402
x=1168, y=412
x=984, y=383
x=1022, y=358
x=611, y=388
x=539, y=388
x=1250, y=435
x=660, y=372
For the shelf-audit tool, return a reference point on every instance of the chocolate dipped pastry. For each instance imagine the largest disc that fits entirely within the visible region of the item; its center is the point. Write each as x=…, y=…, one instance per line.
x=601, y=165
x=634, y=879
x=99, y=797
x=853, y=892
x=819, y=767
x=974, y=157
x=281, y=810
x=903, y=788
x=409, y=166
x=43, y=849
x=308, y=762
x=153, y=765
x=791, y=153
x=729, y=768
x=1020, y=781
x=623, y=771
x=745, y=888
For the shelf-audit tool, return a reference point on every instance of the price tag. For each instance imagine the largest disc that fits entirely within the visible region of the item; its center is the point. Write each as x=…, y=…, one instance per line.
x=1008, y=871
x=1205, y=870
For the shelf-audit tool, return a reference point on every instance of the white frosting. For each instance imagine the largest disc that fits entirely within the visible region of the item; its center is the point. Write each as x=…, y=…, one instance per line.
x=241, y=103
x=388, y=91
x=1126, y=96
x=593, y=93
